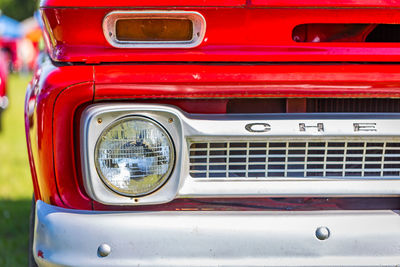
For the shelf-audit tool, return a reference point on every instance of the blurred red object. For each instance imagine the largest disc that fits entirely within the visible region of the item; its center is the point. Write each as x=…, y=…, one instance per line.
x=28, y=47
x=9, y=47
x=3, y=82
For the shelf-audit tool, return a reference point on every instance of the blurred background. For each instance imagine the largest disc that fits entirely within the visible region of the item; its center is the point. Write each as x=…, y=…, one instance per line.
x=20, y=43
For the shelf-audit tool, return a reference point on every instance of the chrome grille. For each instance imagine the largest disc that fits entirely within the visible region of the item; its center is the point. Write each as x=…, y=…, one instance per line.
x=307, y=158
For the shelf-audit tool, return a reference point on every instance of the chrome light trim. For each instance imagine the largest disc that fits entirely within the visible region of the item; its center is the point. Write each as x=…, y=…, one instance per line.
x=110, y=20
x=96, y=119
x=184, y=128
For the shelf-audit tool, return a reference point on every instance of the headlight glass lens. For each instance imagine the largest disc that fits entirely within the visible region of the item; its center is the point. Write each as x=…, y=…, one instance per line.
x=134, y=156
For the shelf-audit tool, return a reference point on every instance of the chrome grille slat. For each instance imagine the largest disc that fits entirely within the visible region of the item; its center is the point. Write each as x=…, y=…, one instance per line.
x=344, y=161
x=363, y=159
x=383, y=158
x=208, y=159
x=308, y=158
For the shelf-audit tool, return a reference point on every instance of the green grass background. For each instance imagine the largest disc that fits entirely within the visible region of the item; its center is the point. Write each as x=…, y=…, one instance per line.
x=15, y=179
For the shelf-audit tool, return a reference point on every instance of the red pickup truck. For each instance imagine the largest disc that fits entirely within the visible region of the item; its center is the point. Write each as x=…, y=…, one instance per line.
x=216, y=133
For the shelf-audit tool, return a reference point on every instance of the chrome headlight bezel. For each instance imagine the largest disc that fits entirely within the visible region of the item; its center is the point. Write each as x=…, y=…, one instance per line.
x=163, y=179
x=96, y=119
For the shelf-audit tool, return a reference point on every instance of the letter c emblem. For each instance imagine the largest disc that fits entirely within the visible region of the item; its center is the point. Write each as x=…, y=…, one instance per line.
x=258, y=127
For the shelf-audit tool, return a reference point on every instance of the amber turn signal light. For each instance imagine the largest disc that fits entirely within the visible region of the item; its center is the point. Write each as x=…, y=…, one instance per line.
x=154, y=29
x=148, y=30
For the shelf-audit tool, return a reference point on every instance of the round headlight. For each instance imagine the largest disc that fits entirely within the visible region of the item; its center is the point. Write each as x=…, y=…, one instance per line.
x=134, y=156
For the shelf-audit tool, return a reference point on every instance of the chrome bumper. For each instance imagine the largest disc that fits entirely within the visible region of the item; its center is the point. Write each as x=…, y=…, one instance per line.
x=66, y=237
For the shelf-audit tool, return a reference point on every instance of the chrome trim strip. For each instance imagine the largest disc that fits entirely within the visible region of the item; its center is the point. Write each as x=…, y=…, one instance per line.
x=211, y=238
x=199, y=28
x=185, y=127
x=288, y=188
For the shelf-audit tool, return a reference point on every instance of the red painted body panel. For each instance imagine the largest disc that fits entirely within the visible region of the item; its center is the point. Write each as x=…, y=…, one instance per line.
x=65, y=137
x=60, y=93
x=41, y=96
x=246, y=204
x=248, y=52
x=140, y=3
x=232, y=35
x=325, y=3
x=209, y=81
x=263, y=3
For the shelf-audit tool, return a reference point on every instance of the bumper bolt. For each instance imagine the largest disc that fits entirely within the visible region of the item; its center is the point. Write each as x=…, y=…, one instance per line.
x=322, y=233
x=104, y=250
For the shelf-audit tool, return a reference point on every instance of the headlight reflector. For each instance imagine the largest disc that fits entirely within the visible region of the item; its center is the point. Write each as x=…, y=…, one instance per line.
x=134, y=156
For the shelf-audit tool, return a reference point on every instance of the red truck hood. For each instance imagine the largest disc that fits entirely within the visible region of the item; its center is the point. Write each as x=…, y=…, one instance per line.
x=141, y=3
x=220, y=3
x=237, y=31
